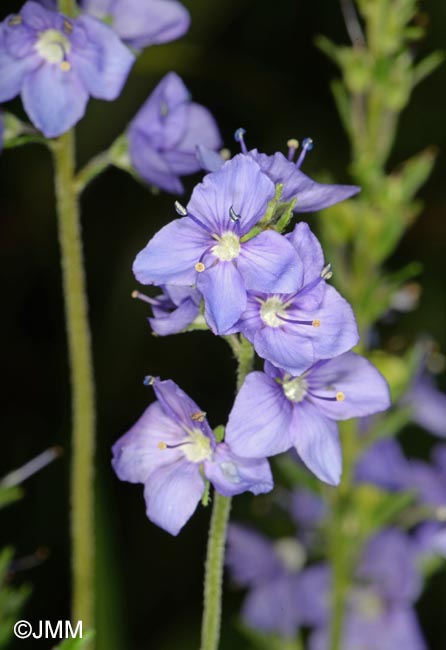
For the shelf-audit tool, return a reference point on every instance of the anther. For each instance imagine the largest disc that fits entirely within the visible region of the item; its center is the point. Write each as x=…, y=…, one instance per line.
x=65, y=66
x=199, y=416
x=316, y=323
x=200, y=267
x=340, y=397
x=15, y=20
x=180, y=209
x=161, y=445
x=307, y=145
x=326, y=272
x=141, y=296
x=148, y=380
x=239, y=137
x=292, y=145
x=233, y=215
x=225, y=154
x=68, y=27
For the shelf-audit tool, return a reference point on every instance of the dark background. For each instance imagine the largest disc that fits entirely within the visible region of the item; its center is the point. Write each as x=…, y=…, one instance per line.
x=254, y=64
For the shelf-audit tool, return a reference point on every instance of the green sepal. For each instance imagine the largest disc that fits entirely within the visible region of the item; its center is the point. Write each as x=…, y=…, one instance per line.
x=9, y=495
x=219, y=433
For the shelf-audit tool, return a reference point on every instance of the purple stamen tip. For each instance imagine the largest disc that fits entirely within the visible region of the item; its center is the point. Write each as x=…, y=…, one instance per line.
x=307, y=144
x=238, y=135
x=148, y=380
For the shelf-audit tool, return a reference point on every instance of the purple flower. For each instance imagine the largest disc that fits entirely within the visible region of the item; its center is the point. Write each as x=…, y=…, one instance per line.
x=383, y=465
x=174, y=310
x=310, y=196
x=275, y=411
x=140, y=23
x=56, y=63
x=428, y=404
x=165, y=133
x=282, y=597
x=294, y=330
x=380, y=613
x=171, y=448
x=206, y=247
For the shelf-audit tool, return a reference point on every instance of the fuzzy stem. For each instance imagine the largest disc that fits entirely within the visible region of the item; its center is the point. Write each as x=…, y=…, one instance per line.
x=83, y=406
x=210, y=629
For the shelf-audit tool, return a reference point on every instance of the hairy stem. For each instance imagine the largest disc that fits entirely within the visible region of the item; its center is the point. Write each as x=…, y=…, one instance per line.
x=80, y=357
x=210, y=629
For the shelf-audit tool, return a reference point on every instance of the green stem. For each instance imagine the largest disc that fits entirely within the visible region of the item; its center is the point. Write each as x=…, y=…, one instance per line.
x=83, y=407
x=210, y=630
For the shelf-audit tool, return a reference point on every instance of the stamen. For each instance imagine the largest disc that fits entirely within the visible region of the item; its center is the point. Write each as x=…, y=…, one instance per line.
x=15, y=20
x=313, y=323
x=307, y=145
x=68, y=27
x=161, y=445
x=199, y=416
x=183, y=212
x=65, y=66
x=235, y=218
x=292, y=145
x=326, y=272
x=340, y=397
x=225, y=154
x=239, y=137
x=200, y=267
x=144, y=298
x=148, y=380
x=32, y=467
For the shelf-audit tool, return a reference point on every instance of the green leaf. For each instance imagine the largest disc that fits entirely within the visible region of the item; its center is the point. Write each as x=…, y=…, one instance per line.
x=76, y=644
x=9, y=495
x=426, y=67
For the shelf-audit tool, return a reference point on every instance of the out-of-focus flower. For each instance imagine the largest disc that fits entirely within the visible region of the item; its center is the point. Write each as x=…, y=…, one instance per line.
x=173, y=310
x=275, y=411
x=282, y=596
x=141, y=23
x=171, y=448
x=310, y=196
x=206, y=246
x=56, y=63
x=383, y=465
x=165, y=133
x=380, y=610
x=294, y=330
x=428, y=404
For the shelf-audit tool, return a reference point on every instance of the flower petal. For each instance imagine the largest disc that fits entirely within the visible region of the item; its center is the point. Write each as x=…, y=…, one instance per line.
x=54, y=99
x=269, y=263
x=365, y=389
x=12, y=70
x=103, y=62
x=259, y=422
x=224, y=296
x=177, y=320
x=250, y=556
x=151, y=22
x=209, y=160
x=171, y=255
x=172, y=494
x=150, y=164
x=274, y=606
x=309, y=250
x=285, y=349
x=316, y=439
x=136, y=454
x=177, y=404
x=311, y=196
x=231, y=474
x=232, y=187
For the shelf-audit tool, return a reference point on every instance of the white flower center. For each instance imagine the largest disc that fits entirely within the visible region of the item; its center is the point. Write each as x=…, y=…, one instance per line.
x=53, y=46
x=291, y=553
x=198, y=447
x=295, y=389
x=270, y=311
x=228, y=247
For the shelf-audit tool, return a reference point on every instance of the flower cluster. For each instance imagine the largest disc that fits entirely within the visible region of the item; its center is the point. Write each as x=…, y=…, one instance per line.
x=227, y=263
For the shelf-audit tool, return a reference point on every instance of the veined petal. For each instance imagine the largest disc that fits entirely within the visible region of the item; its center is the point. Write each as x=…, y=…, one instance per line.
x=150, y=164
x=224, y=295
x=231, y=474
x=136, y=454
x=171, y=255
x=172, y=494
x=269, y=263
x=103, y=62
x=316, y=439
x=260, y=419
x=291, y=351
x=365, y=389
x=53, y=99
x=239, y=185
x=13, y=70
x=177, y=404
x=209, y=160
x=309, y=250
x=337, y=331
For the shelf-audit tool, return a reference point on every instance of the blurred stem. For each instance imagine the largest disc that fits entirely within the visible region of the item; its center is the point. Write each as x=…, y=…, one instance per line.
x=210, y=629
x=67, y=7
x=96, y=166
x=80, y=356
